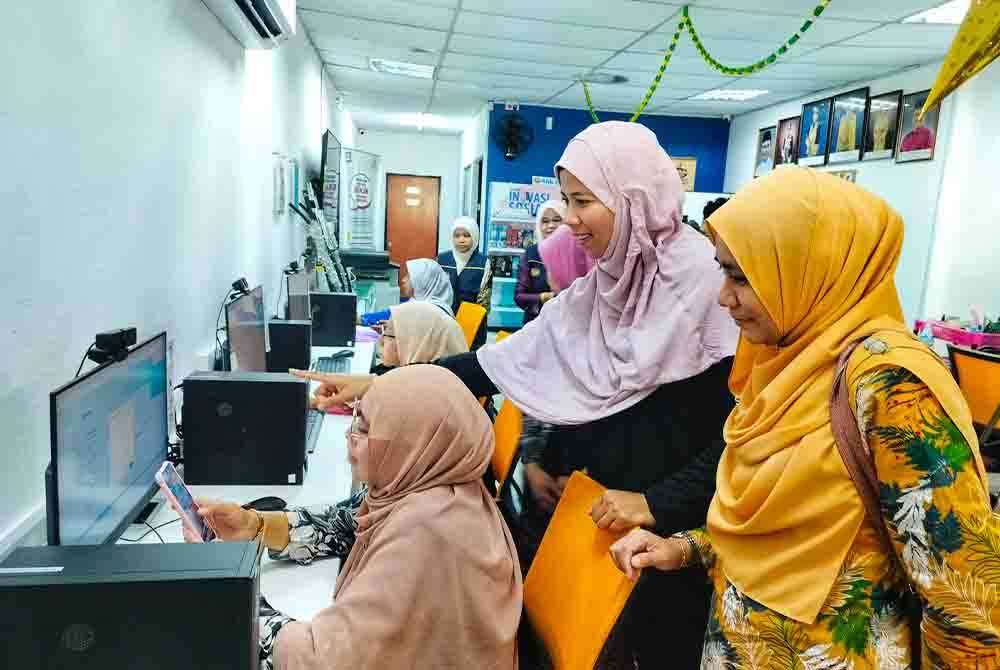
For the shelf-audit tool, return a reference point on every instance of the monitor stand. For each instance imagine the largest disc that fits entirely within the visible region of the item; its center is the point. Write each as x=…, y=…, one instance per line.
x=146, y=512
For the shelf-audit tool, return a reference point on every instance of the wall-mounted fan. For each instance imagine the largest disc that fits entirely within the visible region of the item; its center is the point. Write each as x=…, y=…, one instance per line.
x=512, y=135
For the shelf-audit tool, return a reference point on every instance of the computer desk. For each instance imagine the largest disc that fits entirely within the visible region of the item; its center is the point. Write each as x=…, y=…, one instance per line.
x=300, y=591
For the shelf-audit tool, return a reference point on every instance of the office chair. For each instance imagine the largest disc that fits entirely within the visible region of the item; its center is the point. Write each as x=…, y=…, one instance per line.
x=470, y=316
x=507, y=434
x=978, y=375
x=573, y=593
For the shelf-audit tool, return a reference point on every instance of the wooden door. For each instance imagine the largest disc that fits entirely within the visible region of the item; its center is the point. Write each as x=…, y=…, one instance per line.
x=411, y=217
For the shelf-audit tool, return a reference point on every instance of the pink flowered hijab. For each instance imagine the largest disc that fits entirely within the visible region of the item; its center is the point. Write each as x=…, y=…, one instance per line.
x=565, y=260
x=647, y=315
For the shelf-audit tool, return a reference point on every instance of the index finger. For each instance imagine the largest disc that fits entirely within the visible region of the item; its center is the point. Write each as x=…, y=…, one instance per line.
x=309, y=374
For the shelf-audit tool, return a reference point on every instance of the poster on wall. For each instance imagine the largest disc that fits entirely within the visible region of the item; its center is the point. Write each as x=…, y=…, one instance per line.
x=814, y=133
x=788, y=142
x=917, y=138
x=764, y=160
x=361, y=180
x=330, y=171
x=883, y=123
x=687, y=168
x=513, y=209
x=848, y=126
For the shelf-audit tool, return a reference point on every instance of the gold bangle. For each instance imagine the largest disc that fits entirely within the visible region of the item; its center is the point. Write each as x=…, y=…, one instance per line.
x=685, y=551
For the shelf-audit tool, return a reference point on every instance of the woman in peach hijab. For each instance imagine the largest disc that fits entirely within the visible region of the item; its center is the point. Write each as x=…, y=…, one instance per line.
x=807, y=572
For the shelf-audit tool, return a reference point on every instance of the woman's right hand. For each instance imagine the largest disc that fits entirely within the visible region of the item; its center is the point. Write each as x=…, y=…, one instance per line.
x=641, y=549
x=335, y=390
x=544, y=488
x=230, y=522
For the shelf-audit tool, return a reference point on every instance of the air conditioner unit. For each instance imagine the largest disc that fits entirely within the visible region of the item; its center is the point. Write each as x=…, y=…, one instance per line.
x=256, y=24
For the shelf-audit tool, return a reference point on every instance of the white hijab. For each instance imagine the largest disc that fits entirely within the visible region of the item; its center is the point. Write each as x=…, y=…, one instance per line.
x=557, y=206
x=469, y=225
x=430, y=283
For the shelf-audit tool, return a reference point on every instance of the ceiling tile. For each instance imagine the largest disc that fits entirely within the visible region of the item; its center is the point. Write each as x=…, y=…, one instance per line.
x=823, y=71
x=647, y=62
x=770, y=28
x=508, y=66
x=393, y=11
x=329, y=31
x=741, y=50
x=543, y=32
x=884, y=59
x=908, y=35
x=542, y=53
x=350, y=79
x=861, y=10
x=625, y=14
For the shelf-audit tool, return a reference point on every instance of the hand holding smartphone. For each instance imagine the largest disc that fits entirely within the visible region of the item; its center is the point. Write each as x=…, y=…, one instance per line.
x=180, y=498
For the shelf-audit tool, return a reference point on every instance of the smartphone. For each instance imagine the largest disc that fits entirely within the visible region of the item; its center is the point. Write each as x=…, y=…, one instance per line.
x=180, y=499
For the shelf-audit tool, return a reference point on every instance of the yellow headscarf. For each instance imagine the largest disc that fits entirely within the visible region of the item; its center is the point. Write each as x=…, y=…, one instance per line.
x=820, y=253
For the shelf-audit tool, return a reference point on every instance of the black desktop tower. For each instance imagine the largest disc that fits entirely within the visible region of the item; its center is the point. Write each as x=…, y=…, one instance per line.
x=291, y=345
x=334, y=319
x=244, y=428
x=140, y=607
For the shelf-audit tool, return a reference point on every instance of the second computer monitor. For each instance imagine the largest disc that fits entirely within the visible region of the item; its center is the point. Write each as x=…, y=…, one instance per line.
x=298, y=296
x=247, y=332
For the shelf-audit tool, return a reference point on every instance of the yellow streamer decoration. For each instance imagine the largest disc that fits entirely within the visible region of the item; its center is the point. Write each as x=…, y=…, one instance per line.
x=976, y=45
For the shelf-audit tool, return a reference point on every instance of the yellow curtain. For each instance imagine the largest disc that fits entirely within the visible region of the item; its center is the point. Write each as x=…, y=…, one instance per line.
x=975, y=47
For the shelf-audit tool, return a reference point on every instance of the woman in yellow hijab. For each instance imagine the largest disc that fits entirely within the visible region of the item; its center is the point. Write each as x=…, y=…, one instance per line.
x=801, y=579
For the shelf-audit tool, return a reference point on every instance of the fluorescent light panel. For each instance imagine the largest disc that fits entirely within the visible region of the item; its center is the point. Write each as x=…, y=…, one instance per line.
x=950, y=13
x=401, y=69
x=730, y=95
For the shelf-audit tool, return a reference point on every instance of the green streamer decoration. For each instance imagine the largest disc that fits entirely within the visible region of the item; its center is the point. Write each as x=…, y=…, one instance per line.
x=731, y=71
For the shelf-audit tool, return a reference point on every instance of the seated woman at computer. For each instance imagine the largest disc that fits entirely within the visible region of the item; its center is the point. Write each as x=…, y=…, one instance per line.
x=423, y=280
x=418, y=332
x=433, y=581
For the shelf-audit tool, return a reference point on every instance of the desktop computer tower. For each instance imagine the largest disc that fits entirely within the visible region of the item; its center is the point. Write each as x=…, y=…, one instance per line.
x=142, y=607
x=334, y=319
x=245, y=428
x=291, y=345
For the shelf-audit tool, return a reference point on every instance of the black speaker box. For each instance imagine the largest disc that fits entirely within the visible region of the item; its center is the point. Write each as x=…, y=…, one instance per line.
x=334, y=319
x=291, y=345
x=244, y=428
x=141, y=607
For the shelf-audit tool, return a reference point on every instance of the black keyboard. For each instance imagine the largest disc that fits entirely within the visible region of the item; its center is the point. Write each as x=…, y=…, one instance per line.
x=314, y=422
x=335, y=366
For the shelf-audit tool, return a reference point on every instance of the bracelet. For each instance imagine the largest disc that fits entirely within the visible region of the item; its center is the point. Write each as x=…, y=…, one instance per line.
x=690, y=549
x=259, y=533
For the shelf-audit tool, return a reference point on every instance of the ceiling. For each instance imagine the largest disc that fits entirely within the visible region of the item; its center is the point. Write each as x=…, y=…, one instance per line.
x=533, y=52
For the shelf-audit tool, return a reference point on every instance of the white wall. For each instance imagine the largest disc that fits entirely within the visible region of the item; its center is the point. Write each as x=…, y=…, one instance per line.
x=424, y=154
x=912, y=188
x=138, y=137
x=965, y=263
x=475, y=141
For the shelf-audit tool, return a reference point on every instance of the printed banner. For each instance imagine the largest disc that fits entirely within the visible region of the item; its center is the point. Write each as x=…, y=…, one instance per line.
x=361, y=179
x=513, y=210
x=331, y=180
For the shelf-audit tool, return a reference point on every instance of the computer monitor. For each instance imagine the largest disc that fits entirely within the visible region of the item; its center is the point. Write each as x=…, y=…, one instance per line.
x=298, y=296
x=246, y=329
x=109, y=437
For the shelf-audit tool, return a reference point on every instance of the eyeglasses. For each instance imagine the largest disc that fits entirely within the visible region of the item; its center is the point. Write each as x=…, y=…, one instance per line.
x=355, y=438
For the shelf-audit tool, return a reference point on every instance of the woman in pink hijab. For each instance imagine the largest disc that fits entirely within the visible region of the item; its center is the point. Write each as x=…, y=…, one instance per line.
x=433, y=579
x=631, y=363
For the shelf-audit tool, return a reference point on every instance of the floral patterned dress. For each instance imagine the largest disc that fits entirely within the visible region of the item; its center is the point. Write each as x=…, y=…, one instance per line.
x=946, y=539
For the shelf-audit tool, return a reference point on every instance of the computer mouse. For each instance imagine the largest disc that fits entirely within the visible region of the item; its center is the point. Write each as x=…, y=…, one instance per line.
x=267, y=504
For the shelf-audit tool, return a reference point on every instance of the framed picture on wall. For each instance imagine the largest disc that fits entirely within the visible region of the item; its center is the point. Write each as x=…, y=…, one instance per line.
x=788, y=142
x=687, y=168
x=764, y=158
x=847, y=129
x=882, y=127
x=814, y=133
x=917, y=138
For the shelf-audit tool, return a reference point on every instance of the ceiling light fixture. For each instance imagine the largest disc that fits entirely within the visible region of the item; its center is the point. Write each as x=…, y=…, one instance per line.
x=603, y=78
x=950, y=13
x=400, y=68
x=729, y=95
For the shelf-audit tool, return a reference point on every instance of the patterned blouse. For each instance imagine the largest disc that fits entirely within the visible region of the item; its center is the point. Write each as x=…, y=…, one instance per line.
x=943, y=530
x=313, y=532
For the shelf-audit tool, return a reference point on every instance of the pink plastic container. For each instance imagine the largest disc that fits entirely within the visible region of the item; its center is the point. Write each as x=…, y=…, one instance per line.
x=960, y=336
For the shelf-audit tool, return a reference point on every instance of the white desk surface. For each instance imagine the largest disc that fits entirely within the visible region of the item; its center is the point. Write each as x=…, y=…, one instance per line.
x=299, y=591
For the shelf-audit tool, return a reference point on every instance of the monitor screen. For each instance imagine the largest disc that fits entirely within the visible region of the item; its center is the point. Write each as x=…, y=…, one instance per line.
x=298, y=296
x=109, y=436
x=246, y=329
